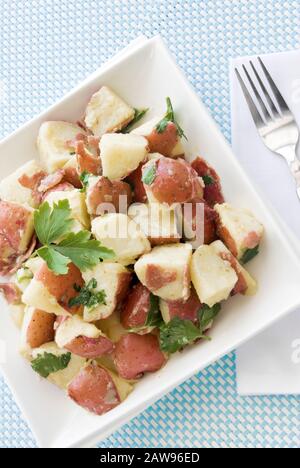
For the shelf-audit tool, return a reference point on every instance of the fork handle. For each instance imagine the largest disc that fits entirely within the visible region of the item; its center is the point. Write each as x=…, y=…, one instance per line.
x=289, y=152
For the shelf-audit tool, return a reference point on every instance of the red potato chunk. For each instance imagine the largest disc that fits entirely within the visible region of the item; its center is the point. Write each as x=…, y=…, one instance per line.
x=164, y=142
x=136, y=308
x=136, y=354
x=173, y=181
x=11, y=293
x=16, y=231
x=94, y=389
x=135, y=180
x=104, y=193
x=185, y=310
x=212, y=190
x=40, y=329
x=90, y=348
x=200, y=229
x=61, y=287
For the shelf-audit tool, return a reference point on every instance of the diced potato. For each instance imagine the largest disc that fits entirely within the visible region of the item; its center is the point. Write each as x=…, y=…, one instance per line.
x=121, y=234
x=107, y=112
x=112, y=327
x=77, y=205
x=246, y=284
x=104, y=196
x=167, y=143
x=51, y=292
x=63, y=377
x=213, y=277
x=238, y=229
x=121, y=154
x=185, y=310
x=166, y=271
x=157, y=221
x=12, y=190
x=37, y=329
x=112, y=278
x=53, y=145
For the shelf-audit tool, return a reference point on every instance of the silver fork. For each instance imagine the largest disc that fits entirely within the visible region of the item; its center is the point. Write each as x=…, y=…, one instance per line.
x=275, y=123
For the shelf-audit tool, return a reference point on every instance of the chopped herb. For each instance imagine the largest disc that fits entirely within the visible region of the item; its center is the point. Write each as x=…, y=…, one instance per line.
x=178, y=333
x=84, y=179
x=51, y=224
x=208, y=180
x=249, y=254
x=169, y=117
x=47, y=363
x=206, y=315
x=72, y=153
x=154, y=318
x=138, y=115
x=149, y=174
x=88, y=296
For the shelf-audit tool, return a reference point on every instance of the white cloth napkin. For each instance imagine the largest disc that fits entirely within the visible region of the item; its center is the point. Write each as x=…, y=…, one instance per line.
x=270, y=363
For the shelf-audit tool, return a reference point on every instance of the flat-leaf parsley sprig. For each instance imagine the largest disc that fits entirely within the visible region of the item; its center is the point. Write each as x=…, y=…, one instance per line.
x=170, y=117
x=53, y=223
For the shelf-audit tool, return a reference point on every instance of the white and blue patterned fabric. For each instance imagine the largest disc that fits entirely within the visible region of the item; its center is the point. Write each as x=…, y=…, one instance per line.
x=48, y=46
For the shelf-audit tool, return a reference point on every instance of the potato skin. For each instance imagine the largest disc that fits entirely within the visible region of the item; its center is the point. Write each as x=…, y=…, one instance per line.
x=210, y=217
x=213, y=191
x=185, y=310
x=40, y=329
x=164, y=142
x=135, y=180
x=93, y=389
x=62, y=286
x=136, y=308
x=175, y=181
x=136, y=354
x=108, y=192
x=90, y=348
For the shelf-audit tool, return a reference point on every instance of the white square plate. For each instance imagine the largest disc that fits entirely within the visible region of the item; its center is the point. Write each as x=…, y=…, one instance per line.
x=144, y=76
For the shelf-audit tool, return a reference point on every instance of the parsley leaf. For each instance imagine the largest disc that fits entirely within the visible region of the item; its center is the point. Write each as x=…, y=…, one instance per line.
x=206, y=315
x=249, y=254
x=83, y=251
x=154, y=318
x=138, y=115
x=84, y=179
x=178, y=333
x=52, y=223
x=169, y=117
x=149, y=174
x=208, y=180
x=88, y=296
x=55, y=261
x=47, y=363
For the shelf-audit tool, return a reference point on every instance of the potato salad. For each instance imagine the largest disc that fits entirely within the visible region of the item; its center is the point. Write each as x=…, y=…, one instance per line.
x=115, y=251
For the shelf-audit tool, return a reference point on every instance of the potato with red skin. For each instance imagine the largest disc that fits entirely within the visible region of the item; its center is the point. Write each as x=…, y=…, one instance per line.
x=212, y=190
x=135, y=180
x=136, y=354
x=136, y=308
x=105, y=192
x=94, y=389
x=168, y=142
x=197, y=230
x=16, y=233
x=173, y=181
x=90, y=348
x=40, y=330
x=185, y=310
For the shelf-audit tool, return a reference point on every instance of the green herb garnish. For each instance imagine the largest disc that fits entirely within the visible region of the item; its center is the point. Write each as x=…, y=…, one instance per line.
x=84, y=179
x=178, y=333
x=206, y=315
x=47, y=363
x=169, y=117
x=149, y=174
x=53, y=223
x=88, y=296
x=154, y=318
x=208, y=180
x=138, y=115
x=249, y=254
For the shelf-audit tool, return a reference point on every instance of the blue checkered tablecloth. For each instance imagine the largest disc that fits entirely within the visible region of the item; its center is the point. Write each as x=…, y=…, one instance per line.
x=48, y=46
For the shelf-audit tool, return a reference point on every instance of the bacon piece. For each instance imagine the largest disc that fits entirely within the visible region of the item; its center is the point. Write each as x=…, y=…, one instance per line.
x=32, y=183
